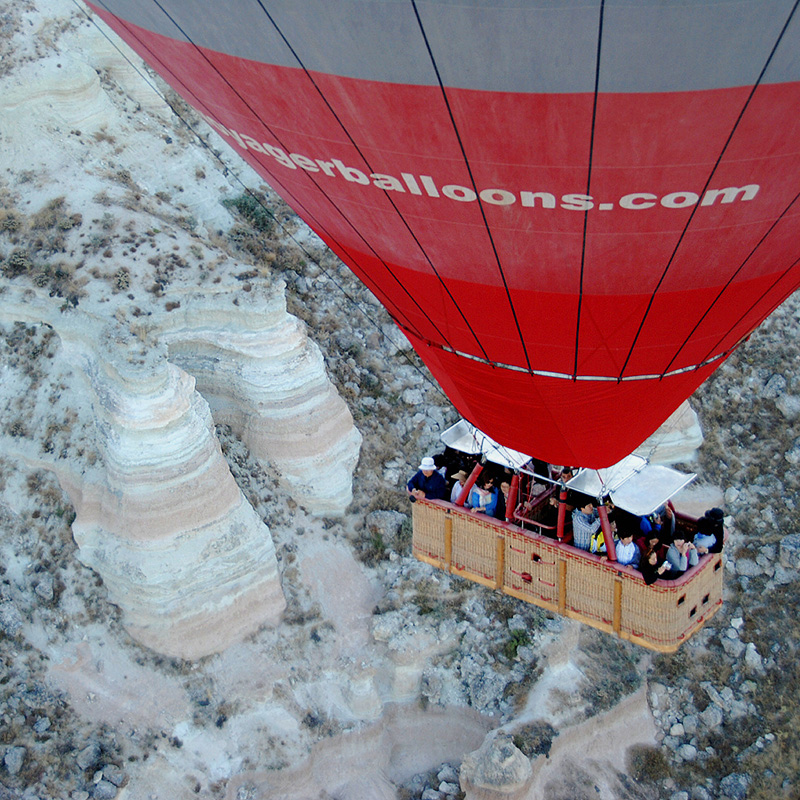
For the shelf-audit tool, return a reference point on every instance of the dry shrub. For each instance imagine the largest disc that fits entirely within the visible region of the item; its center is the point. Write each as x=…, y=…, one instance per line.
x=646, y=764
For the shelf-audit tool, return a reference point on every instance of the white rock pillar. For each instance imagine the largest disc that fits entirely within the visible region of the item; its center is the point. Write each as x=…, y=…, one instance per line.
x=264, y=377
x=180, y=549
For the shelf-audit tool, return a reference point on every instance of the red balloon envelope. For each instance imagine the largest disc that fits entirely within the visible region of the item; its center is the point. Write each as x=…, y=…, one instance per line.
x=574, y=210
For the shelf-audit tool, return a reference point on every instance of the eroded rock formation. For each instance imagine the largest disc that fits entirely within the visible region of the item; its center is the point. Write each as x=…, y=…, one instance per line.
x=159, y=515
x=127, y=261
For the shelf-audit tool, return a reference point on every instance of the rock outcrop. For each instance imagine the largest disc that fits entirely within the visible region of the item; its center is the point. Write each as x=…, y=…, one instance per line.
x=497, y=770
x=169, y=330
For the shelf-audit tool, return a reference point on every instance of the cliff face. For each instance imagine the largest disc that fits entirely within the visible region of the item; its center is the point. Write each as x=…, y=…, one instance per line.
x=112, y=236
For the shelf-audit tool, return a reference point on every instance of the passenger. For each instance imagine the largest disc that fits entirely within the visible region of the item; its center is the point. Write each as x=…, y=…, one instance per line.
x=460, y=479
x=627, y=552
x=652, y=541
x=597, y=543
x=427, y=482
x=440, y=460
x=710, y=532
x=652, y=567
x=483, y=498
x=502, y=500
x=661, y=521
x=567, y=474
x=585, y=523
x=681, y=554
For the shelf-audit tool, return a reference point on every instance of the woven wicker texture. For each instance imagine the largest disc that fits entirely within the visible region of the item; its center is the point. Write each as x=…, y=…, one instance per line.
x=532, y=567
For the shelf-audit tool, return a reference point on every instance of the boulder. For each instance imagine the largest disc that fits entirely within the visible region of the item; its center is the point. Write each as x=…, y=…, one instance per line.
x=104, y=790
x=10, y=618
x=789, y=552
x=712, y=717
x=14, y=759
x=747, y=567
x=497, y=766
x=688, y=752
x=45, y=588
x=789, y=406
x=735, y=785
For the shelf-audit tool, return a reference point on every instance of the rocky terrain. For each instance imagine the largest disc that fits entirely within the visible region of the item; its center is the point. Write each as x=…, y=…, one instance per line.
x=207, y=589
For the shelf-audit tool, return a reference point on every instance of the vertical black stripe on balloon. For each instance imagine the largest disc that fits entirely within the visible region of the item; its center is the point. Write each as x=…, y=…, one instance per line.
x=588, y=186
x=386, y=193
x=703, y=191
x=472, y=181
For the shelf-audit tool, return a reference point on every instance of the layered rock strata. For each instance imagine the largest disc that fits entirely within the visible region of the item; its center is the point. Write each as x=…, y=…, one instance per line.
x=180, y=549
x=131, y=268
x=159, y=516
x=261, y=375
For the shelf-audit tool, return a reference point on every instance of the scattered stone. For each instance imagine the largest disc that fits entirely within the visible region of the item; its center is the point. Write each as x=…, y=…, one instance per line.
x=690, y=724
x=752, y=658
x=700, y=793
x=731, y=495
x=10, y=618
x=114, y=775
x=774, y=388
x=793, y=455
x=733, y=647
x=448, y=774
x=712, y=717
x=104, y=790
x=448, y=788
x=413, y=397
x=41, y=725
x=45, y=588
x=735, y=785
x=789, y=406
x=677, y=730
x=789, y=552
x=496, y=765
x=89, y=756
x=747, y=567
x=783, y=576
x=679, y=796
x=688, y=752
x=13, y=759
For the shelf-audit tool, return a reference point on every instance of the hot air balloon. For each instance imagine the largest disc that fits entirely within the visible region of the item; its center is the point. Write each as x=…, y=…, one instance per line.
x=575, y=211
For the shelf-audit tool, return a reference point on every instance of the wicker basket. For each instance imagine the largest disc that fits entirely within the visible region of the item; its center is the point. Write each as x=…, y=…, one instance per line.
x=566, y=580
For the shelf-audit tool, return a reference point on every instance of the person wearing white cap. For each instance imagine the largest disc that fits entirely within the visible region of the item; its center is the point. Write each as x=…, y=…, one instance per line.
x=427, y=482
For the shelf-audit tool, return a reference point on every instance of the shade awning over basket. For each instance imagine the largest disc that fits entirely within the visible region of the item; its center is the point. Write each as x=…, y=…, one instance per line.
x=634, y=484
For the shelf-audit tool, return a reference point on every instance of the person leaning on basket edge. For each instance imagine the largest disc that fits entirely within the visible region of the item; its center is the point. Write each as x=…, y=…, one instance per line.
x=427, y=482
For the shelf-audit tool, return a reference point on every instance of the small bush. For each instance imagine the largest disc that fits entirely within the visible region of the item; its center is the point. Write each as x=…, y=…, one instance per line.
x=252, y=207
x=534, y=739
x=519, y=638
x=17, y=263
x=647, y=764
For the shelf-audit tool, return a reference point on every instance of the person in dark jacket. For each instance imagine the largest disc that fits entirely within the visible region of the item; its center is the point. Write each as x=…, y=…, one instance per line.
x=653, y=567
x=427, y=482
x=502, y=500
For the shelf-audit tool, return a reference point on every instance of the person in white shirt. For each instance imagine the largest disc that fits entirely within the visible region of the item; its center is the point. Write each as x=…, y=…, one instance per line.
x=627, y=552
x=460, y=479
